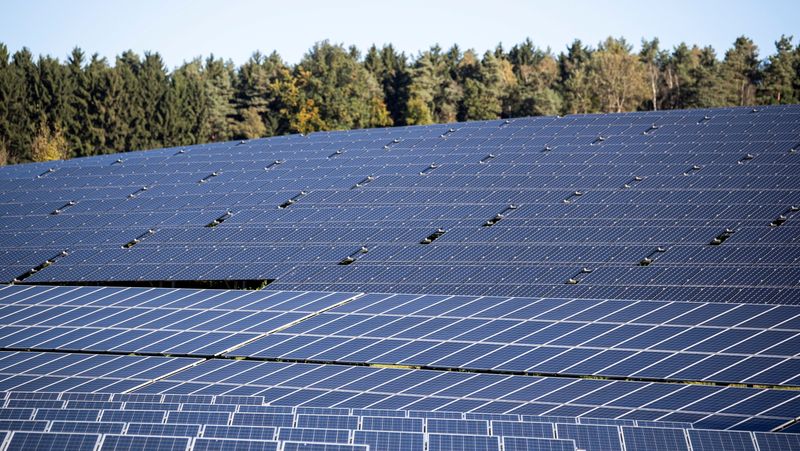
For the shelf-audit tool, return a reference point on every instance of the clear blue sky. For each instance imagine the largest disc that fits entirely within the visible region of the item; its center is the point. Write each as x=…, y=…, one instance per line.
x=233, y=29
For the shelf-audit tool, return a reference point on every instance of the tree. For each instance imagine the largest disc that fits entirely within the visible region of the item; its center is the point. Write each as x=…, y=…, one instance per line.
x=252, y=126
x=23, y=112
x=708, y=89
x=219, y=92
x=3, y=152
x=188, y=105
x=391, y=70
x=49, y=144
x=418, y=112
x=136, y=103
x=433, y=84
x=618, y=77
x=741, y=72
x=534, y=90
x=347, y=95
x=486, y=84
x=575, y=79
x=780, y=74
x=76, y=116
x=654, y=61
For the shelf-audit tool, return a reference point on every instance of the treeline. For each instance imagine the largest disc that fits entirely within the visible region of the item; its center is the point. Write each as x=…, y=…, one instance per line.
x=51, y=109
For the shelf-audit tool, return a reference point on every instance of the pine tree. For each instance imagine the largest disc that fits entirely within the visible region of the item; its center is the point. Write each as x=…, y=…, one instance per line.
x=7, y=84
x=153, y=89
x=100, y=124
x=391, y=70
x=434, y=84
x=188, y=105
x=25, y=112
x=741, y=72
x=780, y=74
x=678, y=76
x=575, y=76
x=484, y=87
x=76, y=118
x=708, y=89
x=219, y=93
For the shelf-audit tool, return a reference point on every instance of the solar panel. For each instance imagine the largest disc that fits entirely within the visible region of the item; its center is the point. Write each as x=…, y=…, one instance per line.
x=520, y=429
x=117, y=442
x=465, y=427
x=327, y=421
x=708, y=440
x=652, y=340
x=209, y=444
x=392, y=424
x=656, y=439
x=537, y=444
x=239, y=432
x=23, y=425
x=282, y=209
x=300, y=446
x=442, y=442
x=538, y=396
x=86, y=427
x=172, y=430
x=314, y=435
x=775, y=442
x=513, y=431
x=591, y=437
x=618, y=281
x=390, y=441
x=42, y=441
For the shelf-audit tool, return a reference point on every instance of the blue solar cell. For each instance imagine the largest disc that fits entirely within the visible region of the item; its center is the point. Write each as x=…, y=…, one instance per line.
x=262, y=419
x=216, y=444
x=390, y=441
x=239, y=432
x=45, y=441
x=448, y=442
x=133, y=416
x=221, y=418
x=87, y=427
x=67, y=414
x=522, y=429
x=173, y=430
x=23, y=425
x=118, y=442
x=298, y=446
x=314, y=435
x=467, y=427
x=591, y=437
x=327, y=421
x=537, y=444
x=775, y=442
x=712, y=440
x=392, y=424
x=656, y=439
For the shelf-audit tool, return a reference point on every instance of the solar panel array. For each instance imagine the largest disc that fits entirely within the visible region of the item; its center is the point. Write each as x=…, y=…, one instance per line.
x=622, y=281
x=75, y=420
x=460, y=353
x=694, y=205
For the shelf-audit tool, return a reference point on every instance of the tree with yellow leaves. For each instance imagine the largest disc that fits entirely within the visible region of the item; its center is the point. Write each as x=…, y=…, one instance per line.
x=618, y=77
x=49, y=144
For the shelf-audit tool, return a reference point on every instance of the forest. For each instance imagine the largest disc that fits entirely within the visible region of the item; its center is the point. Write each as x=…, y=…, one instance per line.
x=86, y=105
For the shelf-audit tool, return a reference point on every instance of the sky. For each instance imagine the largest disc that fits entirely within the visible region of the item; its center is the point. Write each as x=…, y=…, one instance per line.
x=182, y=29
